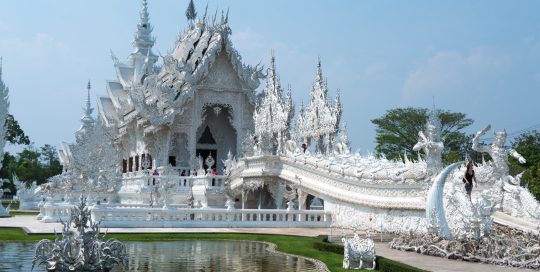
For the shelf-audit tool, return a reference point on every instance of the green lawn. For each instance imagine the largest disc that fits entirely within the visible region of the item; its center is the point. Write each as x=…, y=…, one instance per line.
x=303, y=246
x=17, y=212
x=14, y=205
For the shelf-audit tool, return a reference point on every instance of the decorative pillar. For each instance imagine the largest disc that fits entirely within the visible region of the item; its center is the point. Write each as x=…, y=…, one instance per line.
x=301, y=202
x=243, y=204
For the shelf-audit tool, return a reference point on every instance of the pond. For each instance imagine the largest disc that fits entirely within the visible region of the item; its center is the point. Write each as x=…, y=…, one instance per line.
x=186, y=255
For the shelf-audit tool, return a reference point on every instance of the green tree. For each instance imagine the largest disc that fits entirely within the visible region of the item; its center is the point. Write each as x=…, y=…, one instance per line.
x=8, y=167
x=528, y=145
x=397, y=132
x=29, y=167
x=51, y=162
x=14, y=133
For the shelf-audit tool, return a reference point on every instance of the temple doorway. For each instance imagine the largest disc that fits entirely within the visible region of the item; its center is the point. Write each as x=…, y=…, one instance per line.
x=216, y=135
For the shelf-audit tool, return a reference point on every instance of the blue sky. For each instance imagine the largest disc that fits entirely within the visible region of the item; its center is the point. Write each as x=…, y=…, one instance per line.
x=481, y=58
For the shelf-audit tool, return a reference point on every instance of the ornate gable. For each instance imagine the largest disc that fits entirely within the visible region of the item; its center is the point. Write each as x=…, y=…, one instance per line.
x=221, y=75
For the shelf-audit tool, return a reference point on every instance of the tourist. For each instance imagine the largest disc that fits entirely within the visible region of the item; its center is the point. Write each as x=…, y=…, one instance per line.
x=304, y=147
x=214, y=172
x=468, y=179
x=154, y=174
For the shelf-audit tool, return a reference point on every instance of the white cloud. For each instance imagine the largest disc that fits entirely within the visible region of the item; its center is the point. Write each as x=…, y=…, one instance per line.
x=451, y=71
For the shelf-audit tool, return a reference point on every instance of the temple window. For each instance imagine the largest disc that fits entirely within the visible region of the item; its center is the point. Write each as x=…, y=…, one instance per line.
x=130, y=164
x=137, y=163
x=124, y=165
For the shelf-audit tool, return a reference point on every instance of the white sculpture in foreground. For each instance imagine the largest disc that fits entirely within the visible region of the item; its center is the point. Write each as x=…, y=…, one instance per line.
x=81, y=247
x=358, y=253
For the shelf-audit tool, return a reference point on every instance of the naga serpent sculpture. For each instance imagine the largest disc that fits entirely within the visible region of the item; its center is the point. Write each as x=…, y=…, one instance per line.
x=434, y=203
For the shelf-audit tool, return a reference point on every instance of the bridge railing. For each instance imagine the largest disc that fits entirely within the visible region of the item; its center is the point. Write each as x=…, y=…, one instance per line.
x=180, y=182
x=217, y=218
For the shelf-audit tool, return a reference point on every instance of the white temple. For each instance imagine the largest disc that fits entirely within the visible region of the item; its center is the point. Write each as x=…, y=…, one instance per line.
x=190, y=143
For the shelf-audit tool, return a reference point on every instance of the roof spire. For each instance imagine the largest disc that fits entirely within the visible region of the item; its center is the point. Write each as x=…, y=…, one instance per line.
x=319, y=70
x=143, y=41
x=87, y=118
x=191, y=14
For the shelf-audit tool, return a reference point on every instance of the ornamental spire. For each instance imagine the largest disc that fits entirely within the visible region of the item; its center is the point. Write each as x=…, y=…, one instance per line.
x=272, y=116
x=143, y=41
x=191, y=14
x=320, y=120
x=87, y=119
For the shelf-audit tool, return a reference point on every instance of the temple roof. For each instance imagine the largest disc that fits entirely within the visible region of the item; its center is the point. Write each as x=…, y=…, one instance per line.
x=158, y=94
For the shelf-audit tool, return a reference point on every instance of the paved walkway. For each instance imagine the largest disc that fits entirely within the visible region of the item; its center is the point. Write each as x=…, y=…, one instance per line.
x=30, y=225
x=438, y=264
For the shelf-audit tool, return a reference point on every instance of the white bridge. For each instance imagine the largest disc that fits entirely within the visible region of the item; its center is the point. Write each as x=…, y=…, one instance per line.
x=335, y=182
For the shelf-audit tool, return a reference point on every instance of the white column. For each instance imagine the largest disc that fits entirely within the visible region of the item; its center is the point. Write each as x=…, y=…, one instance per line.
x=243, y=204
x=301, y=202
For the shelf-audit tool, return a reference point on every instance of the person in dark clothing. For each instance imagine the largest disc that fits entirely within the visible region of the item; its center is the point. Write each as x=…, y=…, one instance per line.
x=154, y=174
x=468, y=179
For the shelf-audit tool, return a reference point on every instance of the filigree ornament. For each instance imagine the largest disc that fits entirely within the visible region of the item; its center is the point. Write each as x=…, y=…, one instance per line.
x=80, y=247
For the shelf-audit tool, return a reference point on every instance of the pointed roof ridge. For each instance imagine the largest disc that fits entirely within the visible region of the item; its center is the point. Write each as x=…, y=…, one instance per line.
x=191, y=13
x=319, y=71
x=143, y=40
x=145, y=16
x=87, y=109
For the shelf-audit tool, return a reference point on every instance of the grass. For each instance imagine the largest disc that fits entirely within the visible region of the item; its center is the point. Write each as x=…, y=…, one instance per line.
x=303, y=246
x=14, y=205
x=16, y=212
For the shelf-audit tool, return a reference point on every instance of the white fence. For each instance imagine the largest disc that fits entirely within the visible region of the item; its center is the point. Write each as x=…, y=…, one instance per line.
x=53, y=212
x=114, y=217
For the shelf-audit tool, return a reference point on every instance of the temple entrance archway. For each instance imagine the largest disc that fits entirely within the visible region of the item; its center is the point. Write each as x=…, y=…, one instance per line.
x=216, y=135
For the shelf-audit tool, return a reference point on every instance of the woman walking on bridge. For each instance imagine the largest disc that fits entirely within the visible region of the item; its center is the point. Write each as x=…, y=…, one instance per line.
x=468, y=179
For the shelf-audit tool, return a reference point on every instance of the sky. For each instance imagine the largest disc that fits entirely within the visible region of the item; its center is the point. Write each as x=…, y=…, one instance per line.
x=481, y=58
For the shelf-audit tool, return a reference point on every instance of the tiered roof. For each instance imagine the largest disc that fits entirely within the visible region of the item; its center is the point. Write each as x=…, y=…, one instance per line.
x=158, y=94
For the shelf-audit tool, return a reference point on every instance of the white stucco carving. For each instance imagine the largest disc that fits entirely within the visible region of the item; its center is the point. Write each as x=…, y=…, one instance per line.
x=358, y=253
x=319, y=122
x=273, y=114
x=4, y=111
x=430, y=142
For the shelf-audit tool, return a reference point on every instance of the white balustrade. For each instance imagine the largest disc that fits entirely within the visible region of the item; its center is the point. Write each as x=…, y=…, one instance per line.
x=115, y=217
x=54, y=212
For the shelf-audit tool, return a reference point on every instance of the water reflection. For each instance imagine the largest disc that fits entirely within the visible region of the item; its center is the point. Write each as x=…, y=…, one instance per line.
x=188, y=255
